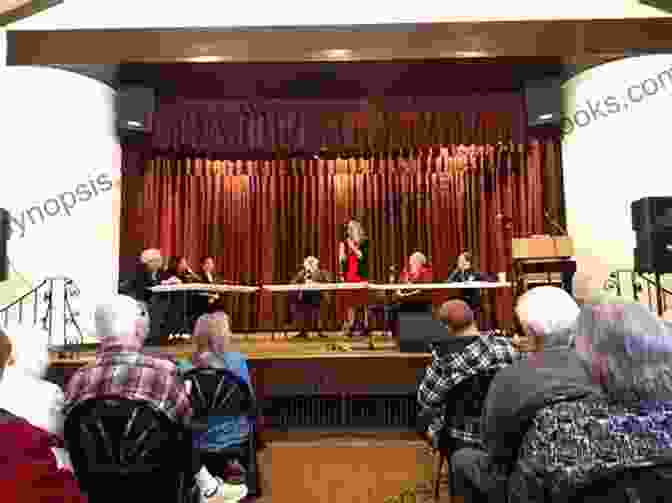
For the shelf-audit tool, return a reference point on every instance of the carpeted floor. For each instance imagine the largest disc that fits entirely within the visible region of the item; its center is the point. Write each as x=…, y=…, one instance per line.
x=346, y=469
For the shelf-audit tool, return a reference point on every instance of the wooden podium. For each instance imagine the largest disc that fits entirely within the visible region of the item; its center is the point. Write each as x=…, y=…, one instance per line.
x=540, y=260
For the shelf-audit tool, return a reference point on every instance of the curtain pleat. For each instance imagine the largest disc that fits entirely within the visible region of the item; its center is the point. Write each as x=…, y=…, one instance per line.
x=260, y=219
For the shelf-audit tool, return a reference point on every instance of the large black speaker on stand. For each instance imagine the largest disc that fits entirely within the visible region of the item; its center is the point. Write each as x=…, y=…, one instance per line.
x=5, y=230
x=652, y=223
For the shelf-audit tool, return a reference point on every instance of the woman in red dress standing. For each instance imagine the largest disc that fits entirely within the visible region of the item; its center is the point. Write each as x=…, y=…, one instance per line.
x=353, y=254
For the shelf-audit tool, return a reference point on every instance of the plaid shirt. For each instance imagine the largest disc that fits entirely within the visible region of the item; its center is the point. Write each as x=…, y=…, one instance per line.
x=488, y=352
x=129, y=374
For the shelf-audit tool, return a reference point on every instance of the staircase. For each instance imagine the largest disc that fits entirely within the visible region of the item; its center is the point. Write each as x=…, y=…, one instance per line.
x=53, y=313
x=641, y=287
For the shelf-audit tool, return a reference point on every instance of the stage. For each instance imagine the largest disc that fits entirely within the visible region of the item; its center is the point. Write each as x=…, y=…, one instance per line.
x=329, y=383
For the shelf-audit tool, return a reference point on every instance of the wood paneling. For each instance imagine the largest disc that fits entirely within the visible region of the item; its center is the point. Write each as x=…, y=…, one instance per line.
x=576, y=39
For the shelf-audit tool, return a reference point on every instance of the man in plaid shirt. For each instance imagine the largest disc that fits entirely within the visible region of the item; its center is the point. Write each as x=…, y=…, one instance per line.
x=123, y=371
x=466, y=354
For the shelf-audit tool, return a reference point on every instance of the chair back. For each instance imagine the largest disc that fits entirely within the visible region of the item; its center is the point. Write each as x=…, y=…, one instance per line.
x=593, y=450
x=119, y=447
x=467, y=398
x=218, y=392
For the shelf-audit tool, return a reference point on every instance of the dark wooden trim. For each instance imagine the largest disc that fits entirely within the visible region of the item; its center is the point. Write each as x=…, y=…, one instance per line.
x=577, y=40
x=25, y=10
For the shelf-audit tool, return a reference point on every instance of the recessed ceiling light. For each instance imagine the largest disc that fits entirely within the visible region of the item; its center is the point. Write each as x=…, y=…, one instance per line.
x=467, y=54
x=209, y=59
x=336, y=54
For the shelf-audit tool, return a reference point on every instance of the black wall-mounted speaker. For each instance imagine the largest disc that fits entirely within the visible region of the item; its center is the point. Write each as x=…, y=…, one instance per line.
x=5, y=230
x=651, y=213
x=135, y=107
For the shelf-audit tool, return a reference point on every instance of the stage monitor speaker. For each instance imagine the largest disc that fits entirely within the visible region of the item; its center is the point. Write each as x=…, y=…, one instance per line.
x=5, y=230
x=135, y=106
x=651, y=213
x=654, y=252
x=418, y=330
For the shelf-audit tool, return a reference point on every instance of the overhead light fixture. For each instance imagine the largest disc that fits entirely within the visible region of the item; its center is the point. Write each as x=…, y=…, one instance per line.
x=209, y=59
x=336, y=54
x=134, y=123
x=466, y=54
x=545, y=117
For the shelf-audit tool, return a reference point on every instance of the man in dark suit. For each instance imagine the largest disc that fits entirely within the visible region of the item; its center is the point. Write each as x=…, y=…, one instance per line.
x=204, y=302
x=148, y=275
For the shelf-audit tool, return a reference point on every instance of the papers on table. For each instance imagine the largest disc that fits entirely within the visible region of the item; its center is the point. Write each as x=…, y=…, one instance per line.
x=204, y=287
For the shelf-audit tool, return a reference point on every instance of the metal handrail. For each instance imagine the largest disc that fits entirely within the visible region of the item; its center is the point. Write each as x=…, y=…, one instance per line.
x=43, y=293
x=661, y=293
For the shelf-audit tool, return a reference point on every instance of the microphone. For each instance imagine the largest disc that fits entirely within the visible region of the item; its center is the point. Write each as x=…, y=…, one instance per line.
x=554, y=224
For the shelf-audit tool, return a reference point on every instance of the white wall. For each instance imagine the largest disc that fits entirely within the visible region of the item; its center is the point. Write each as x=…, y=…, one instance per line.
x=61, y=157
x=75, y=14
x=612, y=161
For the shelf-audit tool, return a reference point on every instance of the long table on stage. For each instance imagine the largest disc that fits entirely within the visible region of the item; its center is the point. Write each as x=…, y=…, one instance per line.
x=416, y=294
x=185, y=289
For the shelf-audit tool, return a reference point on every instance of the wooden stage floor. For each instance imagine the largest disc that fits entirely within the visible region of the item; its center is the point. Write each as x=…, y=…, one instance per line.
x=260, y=346
x=289, y=367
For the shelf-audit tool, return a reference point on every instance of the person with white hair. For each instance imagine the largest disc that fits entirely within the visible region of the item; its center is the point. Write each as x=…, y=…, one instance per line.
x=121, y=369
x=23, y=377
x=548, y=317
x=305, y=305
x=417, y=270
x=151, y=273
x=33, y=465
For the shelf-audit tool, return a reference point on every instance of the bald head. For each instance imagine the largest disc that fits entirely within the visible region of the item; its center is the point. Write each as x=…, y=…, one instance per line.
x=458, y=317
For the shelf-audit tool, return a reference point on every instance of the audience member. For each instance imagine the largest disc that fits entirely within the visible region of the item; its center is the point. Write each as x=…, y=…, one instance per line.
x=465, y=353
x=548, y=316
x=214, y=349
x=34, y=467
x=24, y=377
x=628, y=352
x=122, y=370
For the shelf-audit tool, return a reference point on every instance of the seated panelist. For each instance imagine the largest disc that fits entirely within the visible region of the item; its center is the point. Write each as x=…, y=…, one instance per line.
x=305, y=305
x=178, y=271
x=463, y=273
x=417, y=270
x=205, y=301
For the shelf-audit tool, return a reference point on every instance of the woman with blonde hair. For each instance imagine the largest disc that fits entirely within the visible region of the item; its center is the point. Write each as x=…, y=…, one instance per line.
x=215, y=349
x=353, y=255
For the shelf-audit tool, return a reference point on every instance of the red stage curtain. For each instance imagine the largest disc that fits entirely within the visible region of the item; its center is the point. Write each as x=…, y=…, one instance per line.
x=261, y=218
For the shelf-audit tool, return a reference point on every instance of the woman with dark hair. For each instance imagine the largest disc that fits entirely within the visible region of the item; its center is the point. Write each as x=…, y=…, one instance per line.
x=463, y=273
x=181, y=313
x=178, y=268
x=353, y=255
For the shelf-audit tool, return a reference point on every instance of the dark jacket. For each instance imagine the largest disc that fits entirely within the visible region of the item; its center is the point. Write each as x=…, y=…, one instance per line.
x=518, y=392
x=142, y=281
x=309, y=297
x=471, y=296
